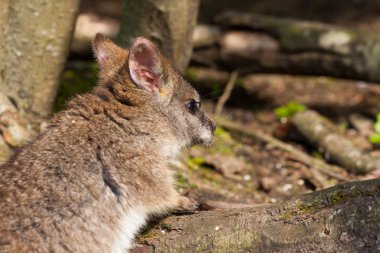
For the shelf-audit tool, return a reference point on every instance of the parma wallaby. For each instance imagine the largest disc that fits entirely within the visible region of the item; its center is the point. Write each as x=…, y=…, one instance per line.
x=89, y=182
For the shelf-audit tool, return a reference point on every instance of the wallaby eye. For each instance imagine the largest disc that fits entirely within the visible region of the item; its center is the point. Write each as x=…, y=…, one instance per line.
x=193, y=105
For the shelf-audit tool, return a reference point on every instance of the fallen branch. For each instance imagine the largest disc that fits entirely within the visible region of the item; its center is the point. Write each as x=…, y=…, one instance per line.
x=272, y=44
x=205, y=35
x=330, y=170
x=321, y=132
x=273, y=90
x=227, y=93
x=342, y=218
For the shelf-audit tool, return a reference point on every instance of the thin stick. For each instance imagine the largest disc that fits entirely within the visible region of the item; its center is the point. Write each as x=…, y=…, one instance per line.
x=227, y=93
x=330, y=170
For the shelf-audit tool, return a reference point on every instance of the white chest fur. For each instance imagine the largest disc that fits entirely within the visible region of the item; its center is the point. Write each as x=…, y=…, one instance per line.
x=130, y=224
x=170, y=149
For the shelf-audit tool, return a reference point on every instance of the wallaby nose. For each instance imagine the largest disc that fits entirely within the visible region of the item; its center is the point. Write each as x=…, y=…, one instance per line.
x=212, y=125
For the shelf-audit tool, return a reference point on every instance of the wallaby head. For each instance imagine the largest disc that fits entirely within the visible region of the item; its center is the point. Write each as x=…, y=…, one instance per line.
x=146, y=78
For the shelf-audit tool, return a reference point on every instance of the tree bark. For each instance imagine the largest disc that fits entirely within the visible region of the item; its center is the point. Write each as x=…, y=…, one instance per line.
x=169, y=24
x=35, y=43
x=269, y=44
x=343, y=218
x=3, y=22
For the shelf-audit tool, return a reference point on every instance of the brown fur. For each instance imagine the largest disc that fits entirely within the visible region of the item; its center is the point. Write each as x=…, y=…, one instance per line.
x=103, y=155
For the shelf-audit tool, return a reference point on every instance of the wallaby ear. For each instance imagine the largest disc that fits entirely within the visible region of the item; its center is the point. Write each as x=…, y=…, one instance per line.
x=108, y=55
x=145, y=65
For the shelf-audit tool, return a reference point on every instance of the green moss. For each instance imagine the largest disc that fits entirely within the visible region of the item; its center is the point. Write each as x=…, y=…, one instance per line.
x=239, y=83
x=294, y=37
x=214, y=178
x=198, y=160
x=220, y=132
x=336, y=198
x=216, y=91
x=221, y=149
x=190, y=75
x=195, y=163
x=79, y=77
x=317, y=203
x=317, y=154
x=223, y=143
x=151, y=233
x=287, y=215
x=306, y=208
x=301, y=208
x=180, y=179
x=374, y=138
x=203, y=170
x=343, y=127
x=289, y=109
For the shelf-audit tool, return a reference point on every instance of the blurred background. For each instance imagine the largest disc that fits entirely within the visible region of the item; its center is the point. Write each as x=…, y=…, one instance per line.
x=292, y=84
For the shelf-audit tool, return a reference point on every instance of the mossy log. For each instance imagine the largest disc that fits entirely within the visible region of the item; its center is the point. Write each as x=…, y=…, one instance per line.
x=342, y=218
x=321, y=132
x=272, y=44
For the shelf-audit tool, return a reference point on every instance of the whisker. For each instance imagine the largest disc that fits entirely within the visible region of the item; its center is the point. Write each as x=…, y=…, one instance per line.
x=211, y=94
x=211, y=99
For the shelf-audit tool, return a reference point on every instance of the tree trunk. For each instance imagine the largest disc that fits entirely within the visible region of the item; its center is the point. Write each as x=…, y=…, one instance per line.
x=169, y=24
x=3, y=22
x=343, y=218
x=271, y=44
x=35, y=40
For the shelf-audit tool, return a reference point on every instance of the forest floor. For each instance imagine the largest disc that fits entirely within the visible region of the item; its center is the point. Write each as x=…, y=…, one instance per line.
x=239, y=170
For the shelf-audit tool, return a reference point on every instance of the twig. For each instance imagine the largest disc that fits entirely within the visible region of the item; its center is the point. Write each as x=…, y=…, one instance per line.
x=330, y=170
x=227, y=93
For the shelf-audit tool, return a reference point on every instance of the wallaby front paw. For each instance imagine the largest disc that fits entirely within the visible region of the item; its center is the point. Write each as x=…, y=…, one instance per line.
x=186, y=205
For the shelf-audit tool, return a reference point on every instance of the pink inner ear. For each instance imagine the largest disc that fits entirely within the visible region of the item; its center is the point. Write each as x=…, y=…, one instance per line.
x=102, y=58
x=145, y=64
x=148, y=79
